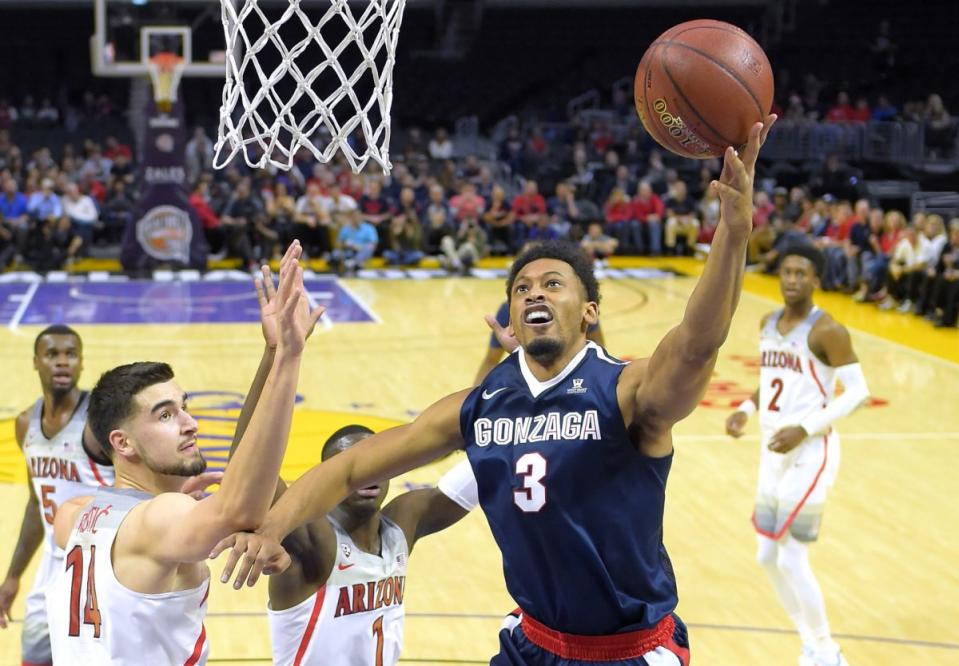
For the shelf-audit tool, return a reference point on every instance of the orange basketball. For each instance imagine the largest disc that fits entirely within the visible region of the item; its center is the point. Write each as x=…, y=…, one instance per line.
x=701, y=86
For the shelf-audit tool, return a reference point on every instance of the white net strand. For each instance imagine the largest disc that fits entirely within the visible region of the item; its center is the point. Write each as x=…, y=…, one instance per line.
x=243, y=127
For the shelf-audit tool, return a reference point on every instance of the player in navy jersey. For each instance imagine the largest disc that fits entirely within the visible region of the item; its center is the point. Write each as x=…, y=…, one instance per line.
x=571, y=450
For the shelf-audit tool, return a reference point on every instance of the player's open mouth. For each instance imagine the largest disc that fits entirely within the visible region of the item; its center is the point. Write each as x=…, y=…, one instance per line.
x=188, y=446
x=62, y=378
x=369, y=491
x=537, y=315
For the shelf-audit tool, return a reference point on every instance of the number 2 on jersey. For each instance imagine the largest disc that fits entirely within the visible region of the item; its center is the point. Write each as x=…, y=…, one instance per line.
x=532, y=497
x=777, y=385
x=91, y=611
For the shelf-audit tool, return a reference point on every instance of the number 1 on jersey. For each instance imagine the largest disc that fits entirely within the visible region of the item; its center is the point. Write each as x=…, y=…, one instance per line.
x=378, y=632
x=532, y=497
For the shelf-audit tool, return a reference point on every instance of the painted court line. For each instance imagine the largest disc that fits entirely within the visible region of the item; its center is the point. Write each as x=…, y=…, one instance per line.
x=24, y=304
x=937, y=645
x=845, y=436
x=359, y=301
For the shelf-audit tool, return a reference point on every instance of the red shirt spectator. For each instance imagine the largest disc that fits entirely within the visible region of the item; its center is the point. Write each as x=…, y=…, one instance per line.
x=207, y=217
x=529, y=204
x=842, y=112
x=646, y=203
x=618, y=208
x=762, y=209
x=112, y=148
x=467, y=204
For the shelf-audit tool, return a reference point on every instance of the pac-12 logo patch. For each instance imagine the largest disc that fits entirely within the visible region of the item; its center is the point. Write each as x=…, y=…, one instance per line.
x=577, y=387
x=347, y=551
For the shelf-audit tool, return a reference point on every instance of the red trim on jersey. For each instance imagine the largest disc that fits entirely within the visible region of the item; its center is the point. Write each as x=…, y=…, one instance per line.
x=198, y=648
x=310, y=626
x=776, y=536
x=96, y=472
x=627, y=645
x=812, y=370
x=205, y=594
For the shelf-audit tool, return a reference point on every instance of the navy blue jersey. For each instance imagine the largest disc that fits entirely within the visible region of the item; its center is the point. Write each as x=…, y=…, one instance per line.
x=576, y=510
x=502, y=317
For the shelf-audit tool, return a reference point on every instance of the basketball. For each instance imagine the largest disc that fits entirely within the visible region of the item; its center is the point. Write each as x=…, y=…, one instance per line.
x=701, y=86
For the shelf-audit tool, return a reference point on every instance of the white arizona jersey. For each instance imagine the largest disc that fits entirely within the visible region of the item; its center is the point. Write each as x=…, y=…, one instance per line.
x=356, y=619
x=60, y=468
x=94, y=619
x=793, y=383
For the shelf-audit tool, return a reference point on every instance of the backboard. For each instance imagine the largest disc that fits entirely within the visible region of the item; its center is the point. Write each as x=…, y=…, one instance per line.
x=127, y=33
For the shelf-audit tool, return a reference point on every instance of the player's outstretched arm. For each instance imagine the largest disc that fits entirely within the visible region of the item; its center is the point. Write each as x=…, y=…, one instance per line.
x=174, y=528
x=31, y=536
x=678, y=372
x=382, y=456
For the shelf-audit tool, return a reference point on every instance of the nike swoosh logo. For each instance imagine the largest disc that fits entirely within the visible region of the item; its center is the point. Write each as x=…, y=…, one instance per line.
x=487, y=395
x=344, y=567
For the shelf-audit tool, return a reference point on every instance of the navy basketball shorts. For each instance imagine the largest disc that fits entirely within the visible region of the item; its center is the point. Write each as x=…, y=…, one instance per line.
x=525, y=642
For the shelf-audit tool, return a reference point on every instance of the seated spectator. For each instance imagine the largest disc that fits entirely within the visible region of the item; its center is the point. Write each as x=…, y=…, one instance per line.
x=709, y=215
x=281, y=216
x=542, y=231
x=940, y=127
x=312, y=222
x=213, y=231
x=467, y=247
x=618, y=213
x=355, y=244
x=437, y=201
x=405, y=243
x=528, y=206
x=681, y=220
x=122, y=169
x=82, y=213
x=884, y=111
x=44, y=204
x=14, y=209
x=873, y=260
x=8, y=246
x=112, y=148
x=467, y=204
x=842, y=111
x=50, y=245
x=499, y=220
x=904, y=261
x=48, y=115
x=565, y=215
x=649, y=212
x=932, y=239
x=598, y=245
x=440, y=146
x=438, y=228
x=242, y=215
x=940, y=304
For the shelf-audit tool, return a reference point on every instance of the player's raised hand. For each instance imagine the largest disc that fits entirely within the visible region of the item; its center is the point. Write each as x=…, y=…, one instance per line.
x=8, y=592
x=504, y=334
x=736, y=424
x=195, y=486
x=295, y=321
x=266, y=296
x=260, y=555
x=735, y=184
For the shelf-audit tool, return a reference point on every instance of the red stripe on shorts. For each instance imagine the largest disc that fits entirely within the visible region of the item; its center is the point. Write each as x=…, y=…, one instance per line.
x=776, y=536
x=627, y=645
x=197, y=649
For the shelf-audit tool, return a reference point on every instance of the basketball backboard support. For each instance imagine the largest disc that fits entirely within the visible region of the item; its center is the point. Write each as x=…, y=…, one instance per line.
x=127, y=33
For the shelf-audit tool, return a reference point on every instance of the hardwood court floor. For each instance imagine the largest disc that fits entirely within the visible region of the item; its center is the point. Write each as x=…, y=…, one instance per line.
x=886, y=558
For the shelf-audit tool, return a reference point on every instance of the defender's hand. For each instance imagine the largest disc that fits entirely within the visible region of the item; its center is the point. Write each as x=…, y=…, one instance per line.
x=735, y=424
x=503, y=334
x=8, y=593
x=295, y=321
x=195, y=486
x=260, y=554
x=788, y=438
x=735, y=184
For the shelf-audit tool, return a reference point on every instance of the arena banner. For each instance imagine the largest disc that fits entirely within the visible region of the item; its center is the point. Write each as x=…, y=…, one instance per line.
x=164, y=230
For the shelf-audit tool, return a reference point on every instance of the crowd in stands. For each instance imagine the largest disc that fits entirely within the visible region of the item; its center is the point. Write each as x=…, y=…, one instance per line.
x=609, y=189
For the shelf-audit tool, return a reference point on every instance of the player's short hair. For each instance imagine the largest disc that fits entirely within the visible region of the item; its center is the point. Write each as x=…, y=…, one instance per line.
x=55, y=329
x=813, y=254
x=345, y=431
x=112, y=399
x=561, y=251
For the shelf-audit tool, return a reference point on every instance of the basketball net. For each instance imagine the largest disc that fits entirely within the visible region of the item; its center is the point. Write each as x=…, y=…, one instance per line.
x=262, y=123
x=165, y=71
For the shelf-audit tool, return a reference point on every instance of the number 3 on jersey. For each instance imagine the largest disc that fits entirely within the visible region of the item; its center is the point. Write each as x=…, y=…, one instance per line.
x=532, y=497
x=91, y=611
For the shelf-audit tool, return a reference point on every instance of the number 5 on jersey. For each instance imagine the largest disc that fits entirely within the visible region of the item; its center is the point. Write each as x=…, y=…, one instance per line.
x=532, y=497
x=91, y=611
